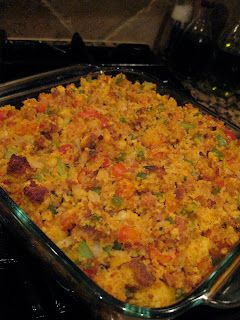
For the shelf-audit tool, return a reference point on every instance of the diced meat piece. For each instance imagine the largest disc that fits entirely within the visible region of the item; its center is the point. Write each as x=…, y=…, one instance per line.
x=17, y=165
x=91, y=141
x=205, y=265
x=35, y=193
x=136, y=125
x=175, y=279
x=201, y=200
x=47, y=135
x=211, y=203
x=160, y=172
x=7, y=182
x=148, y=200
x=47, y=129
x=65, y=147
x=142, y=275
x=94, y=233
x=179, y=192
x=40, y=143
x=55, y=92
x=68, y=221
x=181, y=223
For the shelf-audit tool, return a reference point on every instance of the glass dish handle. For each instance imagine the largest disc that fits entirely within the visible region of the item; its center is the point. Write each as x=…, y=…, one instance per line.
x=225, y=291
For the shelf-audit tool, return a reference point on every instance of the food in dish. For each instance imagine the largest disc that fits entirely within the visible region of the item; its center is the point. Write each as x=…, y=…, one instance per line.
x=143, y=195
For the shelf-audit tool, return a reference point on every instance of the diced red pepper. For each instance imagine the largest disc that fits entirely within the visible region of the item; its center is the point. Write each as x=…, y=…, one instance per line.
x=94, y=114
x=104, y=122
x=88, y=114
x=128, y=234
x=220, y=183
x=90, y=272
x=230, y=134
x=118, y=170
x=231, y=160
x=207, y=178
x=3, y=115
x=106, y=163
x=125, y=188
x=181, y=224
x=64, y=148
x=41, y=108
x=162, y=258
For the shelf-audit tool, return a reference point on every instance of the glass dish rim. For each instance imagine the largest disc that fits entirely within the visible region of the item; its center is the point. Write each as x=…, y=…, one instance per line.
x=197, y=296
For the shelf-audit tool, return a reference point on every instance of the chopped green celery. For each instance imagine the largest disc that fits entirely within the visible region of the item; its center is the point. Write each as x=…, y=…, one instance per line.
x=216, y=190
x=53, y=209
x=84, y=250
x=161, y=107
x=129, y=292
x=117, y=201
x=149, y=109
x=38, y=176
x=159, y=195
x=187, y=126
x=117, y=245
x=119, y=78
x=132, y=136
x=9, y=152
x=195, y=174
x=48, y=110
x=221, y=141
x=180, y=294
x=141, y=176
x=193, y=206
x=89, y=78
x=55, y=144
x=62, y=168
x=147, y=85
x=122, y=119
x=41, y=174
x=169, y=219
x=66, y=121
x=198, y=137
x=121, y=157
x=185, y=212
x=140, y=154
x=217, y=153
x=87, y=264
x=98, y=190
x=107, y=248
x=189, y=161
x=95, y=217
x=150, y=168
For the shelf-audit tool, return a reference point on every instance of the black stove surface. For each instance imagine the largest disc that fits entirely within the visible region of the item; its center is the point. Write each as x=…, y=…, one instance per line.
x=28, y=291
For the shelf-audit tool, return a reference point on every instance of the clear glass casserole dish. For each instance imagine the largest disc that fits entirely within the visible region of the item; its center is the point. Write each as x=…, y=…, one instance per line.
x=219, y=290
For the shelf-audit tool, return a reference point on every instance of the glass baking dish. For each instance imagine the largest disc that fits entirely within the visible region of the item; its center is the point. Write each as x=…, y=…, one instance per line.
x=221, y=289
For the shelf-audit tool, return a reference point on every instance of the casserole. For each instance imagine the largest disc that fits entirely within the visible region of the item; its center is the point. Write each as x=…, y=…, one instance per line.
x=73, y=278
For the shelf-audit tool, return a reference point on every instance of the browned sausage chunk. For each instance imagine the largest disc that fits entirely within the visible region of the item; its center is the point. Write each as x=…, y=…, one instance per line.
x=144, y=277
x=35, y=193
x=17, y=165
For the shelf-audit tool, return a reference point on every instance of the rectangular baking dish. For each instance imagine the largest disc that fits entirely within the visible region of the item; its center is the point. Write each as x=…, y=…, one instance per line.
x=220, y=289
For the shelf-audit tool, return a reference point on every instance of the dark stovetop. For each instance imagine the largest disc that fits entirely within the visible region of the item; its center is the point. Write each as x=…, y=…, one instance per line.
x=28, y=291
